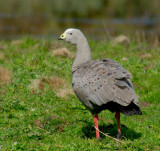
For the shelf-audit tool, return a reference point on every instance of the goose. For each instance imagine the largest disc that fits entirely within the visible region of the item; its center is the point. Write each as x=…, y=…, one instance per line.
x=100, y=84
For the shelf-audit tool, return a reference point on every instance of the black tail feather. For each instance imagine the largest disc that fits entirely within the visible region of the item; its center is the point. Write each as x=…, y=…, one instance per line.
x=131, y=109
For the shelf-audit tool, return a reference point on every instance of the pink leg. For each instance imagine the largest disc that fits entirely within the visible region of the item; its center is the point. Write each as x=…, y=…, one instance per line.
x=96, y=125
x=117, y=116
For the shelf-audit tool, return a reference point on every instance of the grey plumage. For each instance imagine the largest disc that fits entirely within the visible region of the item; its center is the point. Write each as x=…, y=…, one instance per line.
x=96, y=83
x=100, y=84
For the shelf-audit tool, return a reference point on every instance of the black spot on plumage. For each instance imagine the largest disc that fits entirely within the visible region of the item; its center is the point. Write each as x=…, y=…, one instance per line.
x=98, y=69
x=109, y=74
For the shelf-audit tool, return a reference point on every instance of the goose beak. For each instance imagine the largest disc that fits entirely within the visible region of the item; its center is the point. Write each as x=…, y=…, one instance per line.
x=62, y=37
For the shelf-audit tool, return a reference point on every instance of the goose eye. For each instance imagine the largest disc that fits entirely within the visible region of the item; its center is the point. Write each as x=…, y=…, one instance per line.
x=70, y=33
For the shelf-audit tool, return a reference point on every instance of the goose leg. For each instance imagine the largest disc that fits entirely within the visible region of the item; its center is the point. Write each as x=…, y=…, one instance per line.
x=96, y=125
x=117, y=116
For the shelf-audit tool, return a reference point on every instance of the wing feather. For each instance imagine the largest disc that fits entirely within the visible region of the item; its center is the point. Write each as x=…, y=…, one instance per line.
x=99, y=82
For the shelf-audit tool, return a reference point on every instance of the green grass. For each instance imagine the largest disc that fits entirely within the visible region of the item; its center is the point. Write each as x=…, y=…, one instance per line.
x=41, y=120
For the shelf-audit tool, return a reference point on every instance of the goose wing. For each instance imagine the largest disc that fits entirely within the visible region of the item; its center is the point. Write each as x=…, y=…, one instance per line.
x=99, y=82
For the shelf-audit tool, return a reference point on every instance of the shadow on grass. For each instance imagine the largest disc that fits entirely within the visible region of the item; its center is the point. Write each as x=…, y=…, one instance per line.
x=111, y=130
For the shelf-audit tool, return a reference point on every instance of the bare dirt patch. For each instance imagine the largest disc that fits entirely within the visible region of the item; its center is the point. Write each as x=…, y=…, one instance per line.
x=63, y=52
x=121, y=39
x=5, y=76
x=38, y=123
x=60, y=86
x=148, y=67
x=64, y=92
x=44, y=82
x=146, y=55
x=144, y=104
x=2, y=56
x=17, y=42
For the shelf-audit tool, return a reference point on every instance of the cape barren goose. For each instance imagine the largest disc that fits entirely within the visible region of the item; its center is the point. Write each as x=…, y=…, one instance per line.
x=100, y=84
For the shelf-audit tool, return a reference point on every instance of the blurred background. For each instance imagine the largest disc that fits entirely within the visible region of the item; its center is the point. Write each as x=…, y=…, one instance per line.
x=98, y=18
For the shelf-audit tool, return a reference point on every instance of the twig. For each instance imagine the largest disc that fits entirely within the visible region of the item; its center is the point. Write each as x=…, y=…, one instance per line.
x=110, y=121
x=58, y=146
x=109, y=136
